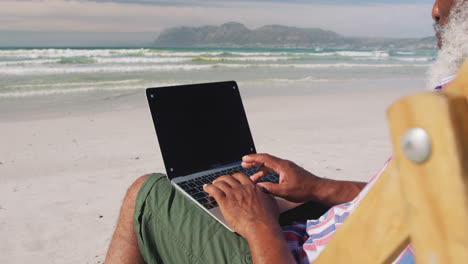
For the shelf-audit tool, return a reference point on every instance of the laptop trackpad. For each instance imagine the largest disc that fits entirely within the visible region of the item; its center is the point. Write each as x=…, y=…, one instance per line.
x=216, y=212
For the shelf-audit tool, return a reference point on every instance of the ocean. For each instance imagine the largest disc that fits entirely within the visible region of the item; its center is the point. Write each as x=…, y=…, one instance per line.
x=56, y=73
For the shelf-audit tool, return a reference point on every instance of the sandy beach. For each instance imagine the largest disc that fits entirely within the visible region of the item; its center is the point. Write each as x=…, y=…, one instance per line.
x=64, y=171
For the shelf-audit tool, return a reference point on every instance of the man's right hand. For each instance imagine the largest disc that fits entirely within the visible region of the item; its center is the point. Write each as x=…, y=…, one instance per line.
x=295, y=183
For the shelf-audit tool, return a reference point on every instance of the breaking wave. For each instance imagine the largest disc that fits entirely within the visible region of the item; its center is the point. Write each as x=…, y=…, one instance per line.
x=54, y=71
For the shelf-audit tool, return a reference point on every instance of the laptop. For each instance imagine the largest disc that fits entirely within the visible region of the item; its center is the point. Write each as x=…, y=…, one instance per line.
x=203, y=133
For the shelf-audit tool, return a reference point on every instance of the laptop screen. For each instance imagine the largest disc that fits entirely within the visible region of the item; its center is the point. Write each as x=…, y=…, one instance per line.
x=200, y=126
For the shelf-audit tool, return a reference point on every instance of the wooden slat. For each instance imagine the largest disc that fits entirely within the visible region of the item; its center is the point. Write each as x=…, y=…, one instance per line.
x=459, y=86
x=377, y=231
x=435, y=191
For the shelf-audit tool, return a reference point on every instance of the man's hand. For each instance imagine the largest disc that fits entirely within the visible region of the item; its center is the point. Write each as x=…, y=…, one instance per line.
x=299, y=185
x=295, y=184
x=253, y=214
x=244, y=205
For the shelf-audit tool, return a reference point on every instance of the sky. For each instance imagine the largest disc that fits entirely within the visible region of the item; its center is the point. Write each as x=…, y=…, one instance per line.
x=125, y=22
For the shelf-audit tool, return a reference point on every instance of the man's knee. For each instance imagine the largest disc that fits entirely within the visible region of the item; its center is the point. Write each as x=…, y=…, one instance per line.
x=128, y=205
x=136, y=185
x=132, y=192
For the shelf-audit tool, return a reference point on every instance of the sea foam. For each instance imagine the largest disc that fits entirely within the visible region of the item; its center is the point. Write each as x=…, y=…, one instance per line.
x=42, y=72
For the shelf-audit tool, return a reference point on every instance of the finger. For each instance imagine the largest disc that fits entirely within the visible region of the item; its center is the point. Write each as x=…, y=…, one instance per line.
x=266, y=169
x=272, y=188
x=223, y=186
x=258, y=157
x=262, y=172
x=249, y=165
x=220, y=178
x=214, y=192
x=246, y=163
x=230, y=180
x=266, y=160
x=242, y=178
x=258, y=175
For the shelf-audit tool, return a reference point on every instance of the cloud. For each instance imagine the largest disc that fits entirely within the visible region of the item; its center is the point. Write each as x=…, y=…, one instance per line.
x=364, y=19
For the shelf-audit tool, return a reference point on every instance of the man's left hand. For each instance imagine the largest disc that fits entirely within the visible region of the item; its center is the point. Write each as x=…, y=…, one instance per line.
x=244, y=204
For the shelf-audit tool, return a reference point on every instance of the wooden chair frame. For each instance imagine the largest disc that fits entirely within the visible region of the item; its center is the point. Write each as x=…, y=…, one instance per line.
x=425, y=204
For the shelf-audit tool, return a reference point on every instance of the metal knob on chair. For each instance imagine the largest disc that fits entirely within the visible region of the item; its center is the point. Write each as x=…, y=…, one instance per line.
x=416, y=145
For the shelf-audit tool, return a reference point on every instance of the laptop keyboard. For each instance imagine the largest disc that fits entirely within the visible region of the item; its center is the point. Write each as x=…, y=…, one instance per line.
x=194, y=187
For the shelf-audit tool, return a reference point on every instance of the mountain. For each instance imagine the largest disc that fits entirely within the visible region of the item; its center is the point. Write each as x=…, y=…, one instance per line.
x=235, y=34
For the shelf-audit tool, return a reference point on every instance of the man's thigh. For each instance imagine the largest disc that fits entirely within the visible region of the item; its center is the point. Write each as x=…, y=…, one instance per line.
x=172, y=229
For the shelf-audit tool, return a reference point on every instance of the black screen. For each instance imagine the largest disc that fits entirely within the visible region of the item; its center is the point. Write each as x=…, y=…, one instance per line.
x=200, y=126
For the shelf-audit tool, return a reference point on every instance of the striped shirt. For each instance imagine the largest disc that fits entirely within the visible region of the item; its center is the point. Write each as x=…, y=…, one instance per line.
x=445, y=83
x=307, y=240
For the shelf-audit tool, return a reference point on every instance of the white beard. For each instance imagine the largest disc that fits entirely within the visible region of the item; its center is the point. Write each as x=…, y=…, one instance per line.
x=454, y=48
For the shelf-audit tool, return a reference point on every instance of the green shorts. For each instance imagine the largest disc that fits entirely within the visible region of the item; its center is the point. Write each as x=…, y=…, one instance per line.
x=172, y=229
